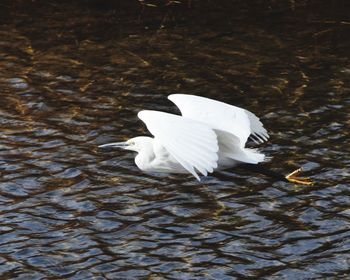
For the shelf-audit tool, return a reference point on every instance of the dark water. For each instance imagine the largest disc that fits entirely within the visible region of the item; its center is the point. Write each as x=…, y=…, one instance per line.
x=72, y=79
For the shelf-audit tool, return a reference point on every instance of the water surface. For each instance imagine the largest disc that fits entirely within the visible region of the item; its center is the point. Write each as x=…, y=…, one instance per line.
x=71, y=79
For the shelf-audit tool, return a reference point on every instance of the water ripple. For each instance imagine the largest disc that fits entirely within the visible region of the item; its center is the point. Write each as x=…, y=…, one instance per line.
x=71, y=211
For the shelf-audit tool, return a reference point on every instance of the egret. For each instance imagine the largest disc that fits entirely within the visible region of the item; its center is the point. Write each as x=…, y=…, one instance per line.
x=208, y=136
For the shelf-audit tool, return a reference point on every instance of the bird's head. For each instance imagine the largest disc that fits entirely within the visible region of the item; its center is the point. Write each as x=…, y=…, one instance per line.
x=134, y=144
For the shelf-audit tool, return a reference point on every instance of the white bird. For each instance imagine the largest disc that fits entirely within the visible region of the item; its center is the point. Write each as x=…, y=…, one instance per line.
x=209, y=136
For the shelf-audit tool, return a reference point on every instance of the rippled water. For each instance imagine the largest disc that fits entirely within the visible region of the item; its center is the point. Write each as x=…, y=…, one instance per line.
x=71, y=80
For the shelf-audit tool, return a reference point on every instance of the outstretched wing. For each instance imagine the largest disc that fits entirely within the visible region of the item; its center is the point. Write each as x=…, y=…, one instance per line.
x=193, y=144
x=221, y=116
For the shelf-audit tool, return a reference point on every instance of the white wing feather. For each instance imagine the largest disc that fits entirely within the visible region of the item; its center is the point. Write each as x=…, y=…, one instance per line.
x=258, y=132
x=193, y=144
x=221, y=116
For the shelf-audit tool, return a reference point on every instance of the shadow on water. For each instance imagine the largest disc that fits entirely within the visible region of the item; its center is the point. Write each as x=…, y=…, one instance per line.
x=73, y=77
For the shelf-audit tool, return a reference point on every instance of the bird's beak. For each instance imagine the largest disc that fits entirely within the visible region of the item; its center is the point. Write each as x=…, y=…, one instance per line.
x=122, y=145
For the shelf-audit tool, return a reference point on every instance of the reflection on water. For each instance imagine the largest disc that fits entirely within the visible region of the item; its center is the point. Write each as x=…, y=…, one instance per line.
x=70, y=211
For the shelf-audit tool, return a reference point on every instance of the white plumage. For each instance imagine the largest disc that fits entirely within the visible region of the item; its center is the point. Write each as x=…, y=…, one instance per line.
x=210, y=135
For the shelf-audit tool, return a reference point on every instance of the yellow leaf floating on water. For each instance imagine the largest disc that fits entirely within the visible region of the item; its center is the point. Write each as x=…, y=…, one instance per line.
x=29, y=50
x=75, y=62
x=85, y=87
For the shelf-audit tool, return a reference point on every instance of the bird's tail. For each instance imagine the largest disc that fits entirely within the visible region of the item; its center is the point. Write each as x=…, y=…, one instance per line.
x=247, y=155
x=253, y=156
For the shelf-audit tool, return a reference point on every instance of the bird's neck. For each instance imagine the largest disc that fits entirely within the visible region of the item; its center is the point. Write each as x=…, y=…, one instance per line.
x=145, y=156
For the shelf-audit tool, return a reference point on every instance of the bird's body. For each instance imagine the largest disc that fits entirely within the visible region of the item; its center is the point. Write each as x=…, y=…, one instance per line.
x=209, y=136
x=154, y=157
